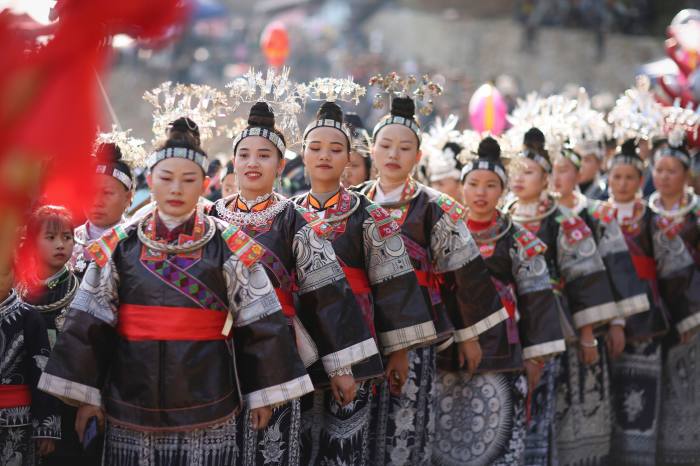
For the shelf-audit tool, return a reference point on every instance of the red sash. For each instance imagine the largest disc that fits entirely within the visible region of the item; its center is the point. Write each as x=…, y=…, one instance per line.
x=645, y=266
x=357, y=278
x=287, y=302
x=138, y=322
x=13, y=396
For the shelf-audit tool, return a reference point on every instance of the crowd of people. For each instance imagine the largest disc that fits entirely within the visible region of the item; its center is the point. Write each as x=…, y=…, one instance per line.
x=399, y=296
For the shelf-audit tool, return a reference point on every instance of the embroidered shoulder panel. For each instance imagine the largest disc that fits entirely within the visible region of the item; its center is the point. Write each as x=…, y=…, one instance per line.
x=102, y=249
x=242, y=245
x=602, y=211
x=451, y=207
x=386, y=225
x=574, y=228
x=321, y=227
x=528, y=243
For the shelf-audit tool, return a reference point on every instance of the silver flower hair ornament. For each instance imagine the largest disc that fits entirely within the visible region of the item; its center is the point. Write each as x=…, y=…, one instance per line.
x=286, y=97
x=132, y=149
x=200, y=103
x=636, y=113
x=422, y=90
x=333, y=89
x=586, y=123
x=678, y=121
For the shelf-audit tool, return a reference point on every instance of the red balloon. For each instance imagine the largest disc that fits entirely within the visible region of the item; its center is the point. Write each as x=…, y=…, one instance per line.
x=274, y=43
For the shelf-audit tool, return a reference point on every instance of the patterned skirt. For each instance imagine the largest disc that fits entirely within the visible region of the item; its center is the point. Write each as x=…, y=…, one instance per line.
x=636, y=391
x=17, y=447
x=679, y=429
x=480, y=419
x=584, y=412
x=211, y=446
x=279, y=443
x=540, y=446
x=335, y=435
x=403, y=428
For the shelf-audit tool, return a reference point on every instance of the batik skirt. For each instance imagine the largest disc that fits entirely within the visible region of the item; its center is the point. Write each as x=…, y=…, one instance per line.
x=540, y=441
x=584, y=409
x=17, y=447
x=480, y=419
x=334, y=434
x=403, y=427
x=679, y=429
x=636, y=391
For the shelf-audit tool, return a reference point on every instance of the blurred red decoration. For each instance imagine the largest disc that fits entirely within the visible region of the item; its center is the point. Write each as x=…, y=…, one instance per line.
x=274, y=42
x=49, y=110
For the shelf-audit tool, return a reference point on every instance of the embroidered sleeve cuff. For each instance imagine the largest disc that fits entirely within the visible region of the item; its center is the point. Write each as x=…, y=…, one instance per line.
x=620, y=321
x=281, y=393
x=350, y=355
x=407, y=337
x=633, y=305
x=481, y=326
x=596, y=315
x=689, y=323
x=70, y=392
x=544, y=349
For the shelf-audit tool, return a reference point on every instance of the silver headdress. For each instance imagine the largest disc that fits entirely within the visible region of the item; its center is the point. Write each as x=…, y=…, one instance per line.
x=285, y=97
x=331, y=90
x=442, y=162
x=393, y=85
x=678, y=122
x=637, y=114
x=200, y=103
x=588, y=127
x=133, y=152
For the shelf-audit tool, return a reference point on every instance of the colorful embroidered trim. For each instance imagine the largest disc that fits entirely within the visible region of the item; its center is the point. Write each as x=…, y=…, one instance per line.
x=186, y=284
x=575, y=229
x=102, y=249
x=386, y=226
x=315, y=222
x=530, y=243
x=242, y=245
x=603, y=212
x=453, y=208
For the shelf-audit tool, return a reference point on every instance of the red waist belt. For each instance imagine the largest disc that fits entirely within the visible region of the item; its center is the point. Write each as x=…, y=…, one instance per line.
x=138, y=322
x=12, y=396
x=287, y=302
x=357, y=278
x=645, y=267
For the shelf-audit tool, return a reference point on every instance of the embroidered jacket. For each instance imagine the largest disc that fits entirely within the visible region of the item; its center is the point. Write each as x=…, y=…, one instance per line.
x=300, y=261
x=516, y=262
x=369, y=248
x=450, y=271
x=629, y=293
x=576, y=269
x=24, y=349
x=149, y=337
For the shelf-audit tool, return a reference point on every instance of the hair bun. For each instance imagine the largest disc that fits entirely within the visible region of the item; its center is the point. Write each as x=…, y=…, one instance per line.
x=454, y=147
x=261, y=115
x=489, y=149
x=108, y=152
x=185, y=125
x=534, y=138
x=629, y=148
x=330, y=111
x=354, y=121
x=403, y=107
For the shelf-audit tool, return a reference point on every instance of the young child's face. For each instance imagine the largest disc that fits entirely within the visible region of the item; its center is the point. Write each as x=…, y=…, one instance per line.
x=55, y=245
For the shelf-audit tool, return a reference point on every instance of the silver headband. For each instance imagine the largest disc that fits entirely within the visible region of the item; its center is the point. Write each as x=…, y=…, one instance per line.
x=263, y=133
x=481, y=164
x=671, y=152
x=627, y=160
x=541, y=161
x=124, y=178
x=572, y=157
x=179, y=152
x=398, y=120
x=328, y=123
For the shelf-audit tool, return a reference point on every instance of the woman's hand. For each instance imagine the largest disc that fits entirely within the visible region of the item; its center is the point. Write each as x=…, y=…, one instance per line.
x=343, y=388
x=588, y=346
x=397, y=371
x=45, y=446
x=615, y=341
x=85, y=412
x=259, y=417
x=469, y=352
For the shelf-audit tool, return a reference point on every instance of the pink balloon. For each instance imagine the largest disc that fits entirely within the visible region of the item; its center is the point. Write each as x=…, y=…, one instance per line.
x=487, y=110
